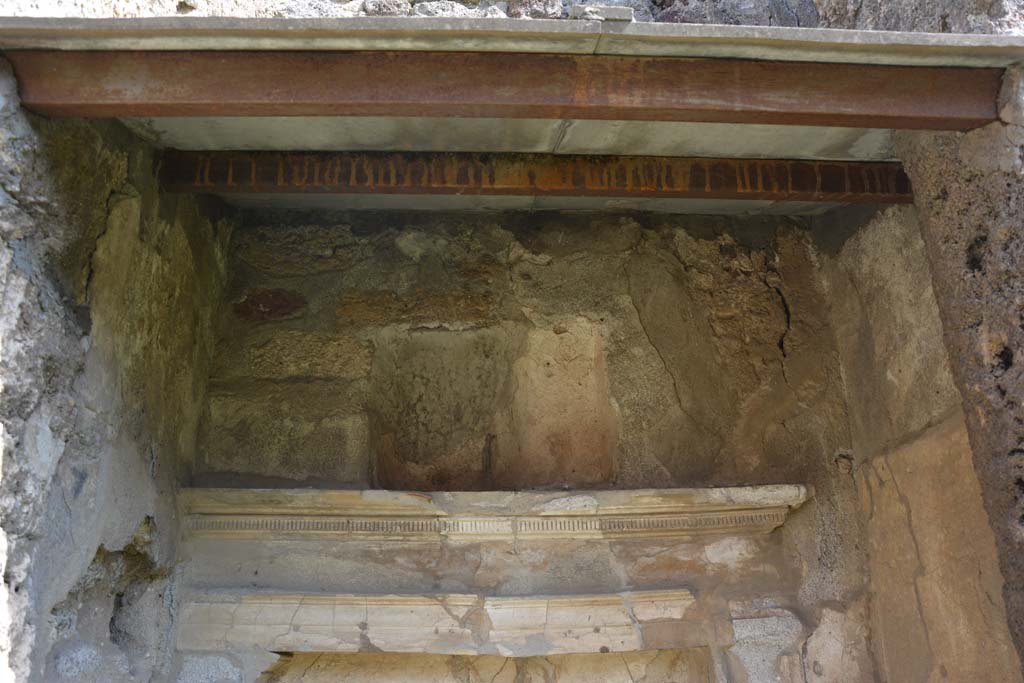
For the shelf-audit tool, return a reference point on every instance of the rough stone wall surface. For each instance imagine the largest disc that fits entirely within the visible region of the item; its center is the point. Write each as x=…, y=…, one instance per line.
x=106, y=333
x=766, y=13
x=934, y=583
x=932, y=16
x=602, y=351
x=969, y=191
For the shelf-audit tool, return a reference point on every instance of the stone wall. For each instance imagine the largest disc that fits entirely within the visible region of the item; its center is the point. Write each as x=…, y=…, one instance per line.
x=767, y=13
x=934, y=588
x=932, y=16
x=106, y=328
x=504, y=351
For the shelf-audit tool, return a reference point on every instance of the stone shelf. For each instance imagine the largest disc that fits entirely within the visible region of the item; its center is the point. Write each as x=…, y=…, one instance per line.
x=451, y=624
x=383, y=516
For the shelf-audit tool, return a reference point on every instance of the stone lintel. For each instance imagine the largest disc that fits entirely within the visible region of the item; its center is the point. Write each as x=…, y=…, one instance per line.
x=455, y=624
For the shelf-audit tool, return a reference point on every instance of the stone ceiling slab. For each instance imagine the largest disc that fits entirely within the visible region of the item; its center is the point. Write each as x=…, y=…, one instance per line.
x=513, y=35
x=355, y=33
x=350, y=133
x=414, y=134
x=669, y=138
x=809, y=44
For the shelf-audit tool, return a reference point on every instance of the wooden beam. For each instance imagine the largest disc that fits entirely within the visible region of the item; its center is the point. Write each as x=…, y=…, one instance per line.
x=533, y=175
x=473, y=84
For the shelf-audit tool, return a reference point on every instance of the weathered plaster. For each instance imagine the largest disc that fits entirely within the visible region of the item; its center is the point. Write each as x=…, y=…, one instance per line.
x=499, y=336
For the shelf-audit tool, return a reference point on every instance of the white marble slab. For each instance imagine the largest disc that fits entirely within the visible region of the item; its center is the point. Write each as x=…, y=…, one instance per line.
x=455, y=624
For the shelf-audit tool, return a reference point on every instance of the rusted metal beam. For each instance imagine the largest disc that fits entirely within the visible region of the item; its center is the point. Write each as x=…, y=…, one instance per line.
x=473, y=84
x=533, y=175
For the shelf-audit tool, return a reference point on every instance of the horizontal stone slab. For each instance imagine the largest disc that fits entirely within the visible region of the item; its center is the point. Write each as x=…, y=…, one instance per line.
x=512, y=35
x=456, y=624
x=493, y=516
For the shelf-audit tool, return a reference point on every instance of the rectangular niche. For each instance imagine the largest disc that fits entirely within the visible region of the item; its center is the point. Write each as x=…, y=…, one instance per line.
x=649, y=666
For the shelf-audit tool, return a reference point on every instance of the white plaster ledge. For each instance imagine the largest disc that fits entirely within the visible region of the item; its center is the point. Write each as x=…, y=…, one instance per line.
x=455, y=624
x=493, y=515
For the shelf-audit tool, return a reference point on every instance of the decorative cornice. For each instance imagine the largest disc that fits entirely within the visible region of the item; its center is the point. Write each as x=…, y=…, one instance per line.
x=493, y=516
